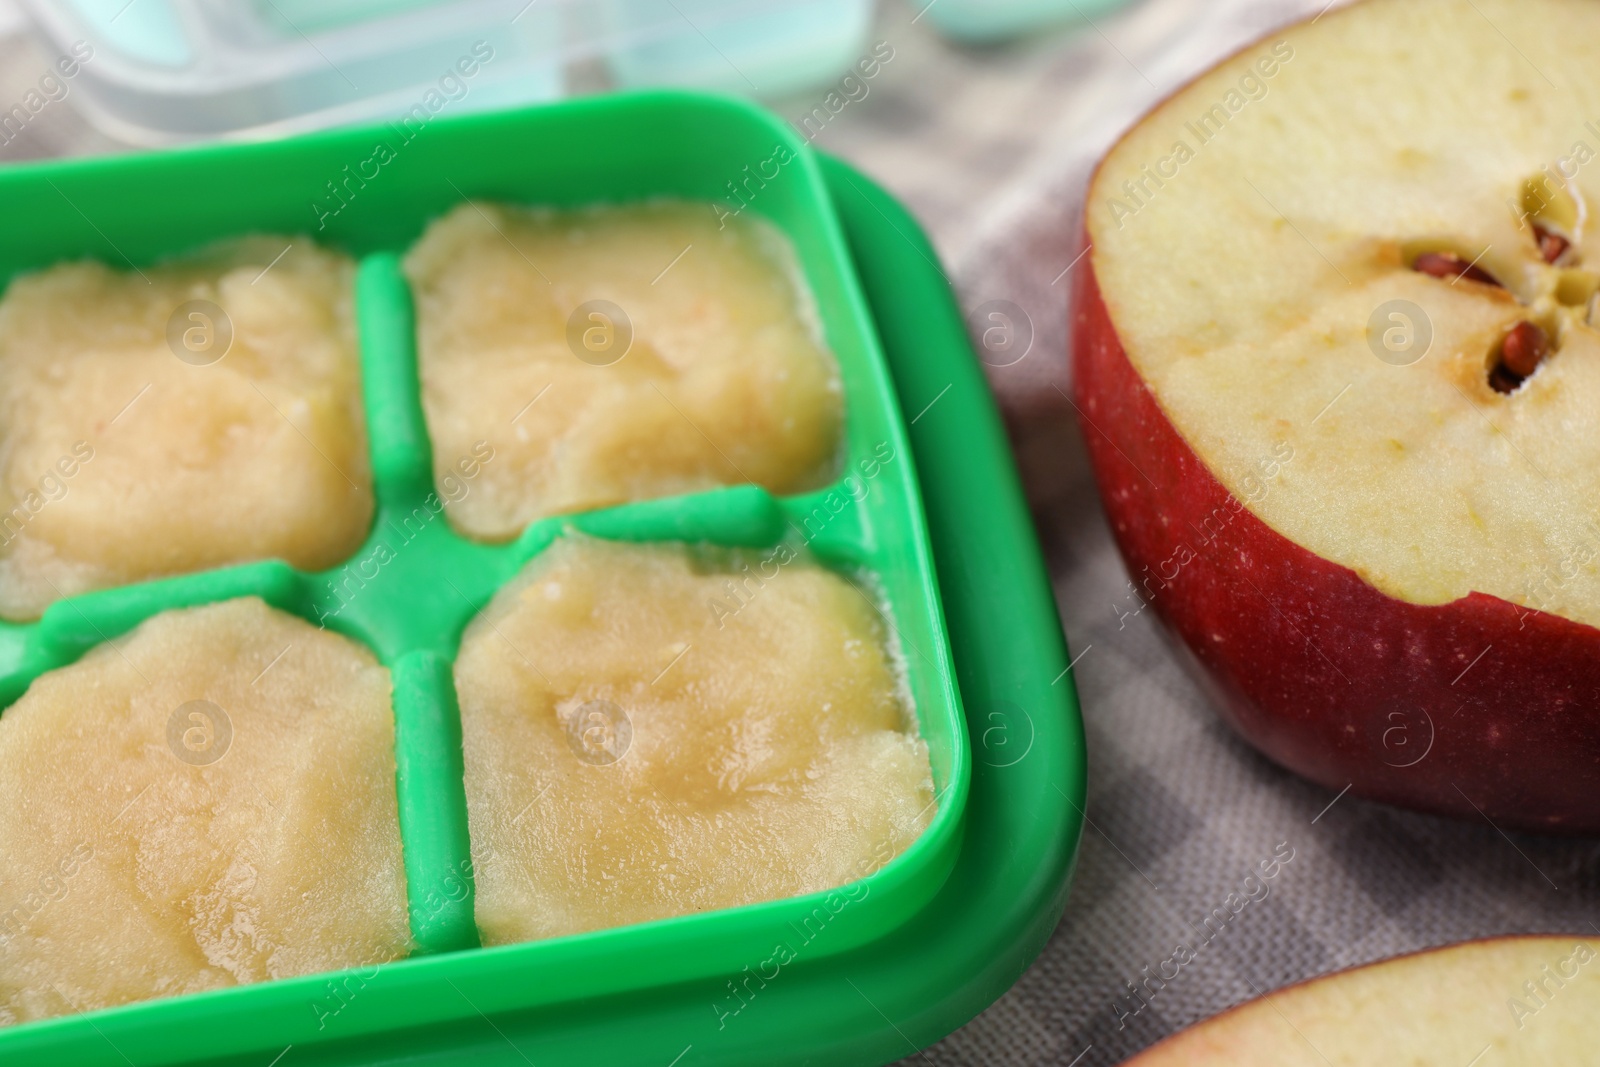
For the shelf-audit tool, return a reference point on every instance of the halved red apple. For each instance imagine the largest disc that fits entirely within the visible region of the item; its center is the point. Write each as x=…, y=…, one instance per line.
x=1336, y=354
x=1514, y=1000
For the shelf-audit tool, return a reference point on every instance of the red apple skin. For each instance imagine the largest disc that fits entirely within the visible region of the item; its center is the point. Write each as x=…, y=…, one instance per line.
x=1316, y=668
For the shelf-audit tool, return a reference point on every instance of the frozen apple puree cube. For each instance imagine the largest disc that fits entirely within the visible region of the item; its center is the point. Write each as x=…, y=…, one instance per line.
x=654, y=731
x=617, y=353
x=179, y=417
x=206, y=802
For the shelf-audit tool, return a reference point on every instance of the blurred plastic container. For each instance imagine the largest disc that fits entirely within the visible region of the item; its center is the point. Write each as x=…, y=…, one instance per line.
x=167, y=71
x=765, y=49
x=991, y=20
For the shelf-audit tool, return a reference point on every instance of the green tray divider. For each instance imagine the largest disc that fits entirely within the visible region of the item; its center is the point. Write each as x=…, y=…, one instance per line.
x=830, y=523
x=534, y=540
x=397, y=432
x=742, y=515
x=79, y=623
x=21, y=659
x=433, y=805
x=71, y=627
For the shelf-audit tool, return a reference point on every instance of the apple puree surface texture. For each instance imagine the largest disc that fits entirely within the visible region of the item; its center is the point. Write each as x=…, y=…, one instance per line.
x=206, y=802
x=618, y=353
x=1256, y=238
x=121, y=460
x=641, y=742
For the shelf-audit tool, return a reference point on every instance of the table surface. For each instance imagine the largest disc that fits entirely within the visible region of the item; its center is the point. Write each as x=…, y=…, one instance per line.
x=991, y=147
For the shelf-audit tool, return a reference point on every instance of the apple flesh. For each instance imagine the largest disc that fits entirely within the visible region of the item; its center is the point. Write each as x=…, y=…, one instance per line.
x=1508, y=1001
x=1357, y=587
x=1411, y=720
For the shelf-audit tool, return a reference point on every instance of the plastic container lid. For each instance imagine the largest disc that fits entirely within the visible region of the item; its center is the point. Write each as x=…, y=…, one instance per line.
x=167, y=71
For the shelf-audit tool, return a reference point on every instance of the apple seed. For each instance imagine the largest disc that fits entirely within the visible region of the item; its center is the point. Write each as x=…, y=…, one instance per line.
x=1522, y=350
x=1502, y=380
x=1551, y=245
x=1448, y=265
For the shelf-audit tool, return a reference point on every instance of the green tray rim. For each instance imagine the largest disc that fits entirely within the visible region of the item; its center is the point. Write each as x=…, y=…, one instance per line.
x=1025, y=822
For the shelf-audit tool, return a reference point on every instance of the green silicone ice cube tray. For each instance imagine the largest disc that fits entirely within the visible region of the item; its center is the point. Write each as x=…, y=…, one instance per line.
x=451, y=994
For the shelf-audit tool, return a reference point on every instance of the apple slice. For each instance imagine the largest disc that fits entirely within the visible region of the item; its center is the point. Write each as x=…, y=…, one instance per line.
x=1334, y=355
x=1513, y=1000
